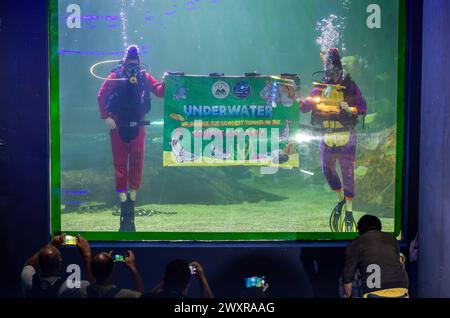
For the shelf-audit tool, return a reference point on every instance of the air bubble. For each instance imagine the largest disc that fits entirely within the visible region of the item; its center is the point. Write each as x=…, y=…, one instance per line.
x=331, y=32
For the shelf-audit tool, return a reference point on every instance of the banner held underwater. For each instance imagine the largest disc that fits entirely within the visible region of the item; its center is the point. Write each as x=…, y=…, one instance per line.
x=231, y=121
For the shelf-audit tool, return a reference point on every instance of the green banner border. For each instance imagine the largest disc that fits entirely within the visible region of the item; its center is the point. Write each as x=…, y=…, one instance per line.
x=55, y=160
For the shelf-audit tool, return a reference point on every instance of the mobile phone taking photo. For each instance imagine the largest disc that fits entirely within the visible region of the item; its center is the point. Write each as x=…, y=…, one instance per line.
x=69, y=240
x=118, y=258
x=193, y=269
x=255, y=281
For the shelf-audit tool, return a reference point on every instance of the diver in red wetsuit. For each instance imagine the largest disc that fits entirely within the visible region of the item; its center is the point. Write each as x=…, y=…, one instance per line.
x=124, y=100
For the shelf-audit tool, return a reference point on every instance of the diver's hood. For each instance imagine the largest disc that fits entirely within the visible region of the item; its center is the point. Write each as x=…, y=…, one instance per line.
x=332, y=60
x=132, y=53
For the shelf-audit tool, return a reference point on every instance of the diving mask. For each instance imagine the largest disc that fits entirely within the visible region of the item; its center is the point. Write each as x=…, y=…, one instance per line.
x=332, y=73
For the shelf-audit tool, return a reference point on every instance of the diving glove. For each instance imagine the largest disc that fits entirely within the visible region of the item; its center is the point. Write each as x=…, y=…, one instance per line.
x=110, y=123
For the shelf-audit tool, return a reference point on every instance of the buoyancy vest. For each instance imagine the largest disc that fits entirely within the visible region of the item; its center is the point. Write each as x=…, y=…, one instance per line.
x=327, y=112
x=130, y=102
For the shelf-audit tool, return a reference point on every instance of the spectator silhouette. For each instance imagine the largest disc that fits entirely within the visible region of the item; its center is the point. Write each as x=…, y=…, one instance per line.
x=281, y=268
x=177, y=279
x=103, y=268
x=255, y=291
x=377, y=257
x=41, y=273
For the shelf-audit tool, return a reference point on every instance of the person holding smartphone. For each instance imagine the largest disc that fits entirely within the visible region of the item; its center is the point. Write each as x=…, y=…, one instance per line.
x=177, y=280
x=255, y=287
x=376, y=255
x=103, y=266
x=41, y=274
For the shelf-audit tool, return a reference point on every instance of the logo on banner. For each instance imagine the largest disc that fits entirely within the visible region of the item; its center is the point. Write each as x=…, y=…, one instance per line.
x=241, y=89
x=220, y=90
x=181, y=93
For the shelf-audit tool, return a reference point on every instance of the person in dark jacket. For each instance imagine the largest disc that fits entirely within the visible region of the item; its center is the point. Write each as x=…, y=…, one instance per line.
x=41, y=275
x=376, y=255
x=177, y=280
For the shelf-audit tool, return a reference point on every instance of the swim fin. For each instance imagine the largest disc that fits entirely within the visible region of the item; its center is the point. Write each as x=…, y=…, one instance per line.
x=131, y=211
x=127, y=216
x=348, y=224
x=336, y=216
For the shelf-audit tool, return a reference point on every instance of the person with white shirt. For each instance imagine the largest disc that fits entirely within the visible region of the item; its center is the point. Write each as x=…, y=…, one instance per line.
x=41, y=274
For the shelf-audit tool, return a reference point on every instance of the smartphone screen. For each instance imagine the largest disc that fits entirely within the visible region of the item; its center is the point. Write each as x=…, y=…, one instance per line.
x=70, y=240
x=255, y=281
x=118, y=258
x=192, y=269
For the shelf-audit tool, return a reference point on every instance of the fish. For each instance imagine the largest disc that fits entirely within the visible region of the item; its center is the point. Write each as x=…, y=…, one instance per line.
x=370, y=118
x=177, y=117
x=361, y=171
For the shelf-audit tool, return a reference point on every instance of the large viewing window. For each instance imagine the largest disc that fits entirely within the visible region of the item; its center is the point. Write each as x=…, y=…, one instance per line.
x=278, y=120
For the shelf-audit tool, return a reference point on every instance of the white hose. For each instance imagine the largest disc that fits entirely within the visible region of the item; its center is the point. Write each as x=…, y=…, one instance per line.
x=105, y=78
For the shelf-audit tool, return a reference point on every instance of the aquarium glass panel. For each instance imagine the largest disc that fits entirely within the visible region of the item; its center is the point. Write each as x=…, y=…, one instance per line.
x=225, y=120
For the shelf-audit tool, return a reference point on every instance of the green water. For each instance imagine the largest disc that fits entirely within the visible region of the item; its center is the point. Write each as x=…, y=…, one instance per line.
x=233, y=37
